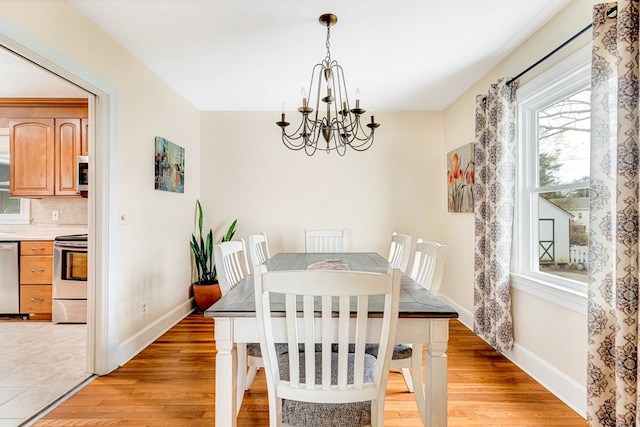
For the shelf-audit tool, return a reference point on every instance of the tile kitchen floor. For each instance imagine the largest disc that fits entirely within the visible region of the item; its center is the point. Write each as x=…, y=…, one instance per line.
x=39, y=363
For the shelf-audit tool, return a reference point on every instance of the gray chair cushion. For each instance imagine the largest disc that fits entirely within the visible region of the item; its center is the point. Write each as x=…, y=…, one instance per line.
x=284, y=348
x=400, y=351
x=297, y=413
x=253, y=349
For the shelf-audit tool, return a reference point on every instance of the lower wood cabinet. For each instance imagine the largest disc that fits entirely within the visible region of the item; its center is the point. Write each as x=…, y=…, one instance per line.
x=36, y=270
x=36, y=276
x=36, y=300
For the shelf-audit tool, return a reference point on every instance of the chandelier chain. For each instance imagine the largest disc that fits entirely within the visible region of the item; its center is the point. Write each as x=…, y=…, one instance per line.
x=328, y=57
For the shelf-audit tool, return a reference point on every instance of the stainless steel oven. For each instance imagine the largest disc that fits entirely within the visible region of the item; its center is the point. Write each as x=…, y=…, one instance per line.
x=70, y=279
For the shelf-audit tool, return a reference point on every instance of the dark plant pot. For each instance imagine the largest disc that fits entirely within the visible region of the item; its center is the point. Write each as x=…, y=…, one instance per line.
x=206, y=295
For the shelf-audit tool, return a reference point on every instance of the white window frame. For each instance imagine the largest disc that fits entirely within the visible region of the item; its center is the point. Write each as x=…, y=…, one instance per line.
x=24, y=216
x=562, y=80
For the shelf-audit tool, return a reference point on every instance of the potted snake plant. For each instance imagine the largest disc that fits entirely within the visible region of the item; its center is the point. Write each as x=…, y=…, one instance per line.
x=206, y=290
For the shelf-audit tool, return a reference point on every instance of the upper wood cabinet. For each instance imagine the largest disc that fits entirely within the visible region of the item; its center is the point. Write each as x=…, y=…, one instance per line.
x=84, y=151
x=32, y=157
x=68, y=146
x=46, y=136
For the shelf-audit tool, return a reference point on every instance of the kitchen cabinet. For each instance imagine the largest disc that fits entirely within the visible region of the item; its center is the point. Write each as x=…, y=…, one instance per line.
x=46, y=136
x=84, y=143
x=68, y=146
x=32, y=157
x=36, y=275
x=43, y=156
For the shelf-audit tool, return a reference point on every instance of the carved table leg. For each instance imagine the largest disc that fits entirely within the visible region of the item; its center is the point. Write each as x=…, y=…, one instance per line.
x=226, y=374
x=436, y=374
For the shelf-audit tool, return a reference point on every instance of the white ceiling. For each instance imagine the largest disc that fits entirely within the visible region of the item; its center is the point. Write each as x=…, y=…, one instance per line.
x=253, y=55
x=22, y=79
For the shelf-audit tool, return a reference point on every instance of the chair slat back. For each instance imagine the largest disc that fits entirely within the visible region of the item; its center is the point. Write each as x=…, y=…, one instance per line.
x=428, y=265
x=258, y=249
x=312, y=300
x=325, y=241
x=231, y=264
x=400, y=251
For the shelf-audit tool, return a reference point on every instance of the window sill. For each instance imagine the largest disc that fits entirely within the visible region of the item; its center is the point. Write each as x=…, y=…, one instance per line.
x=17, y=221
x=572, y=299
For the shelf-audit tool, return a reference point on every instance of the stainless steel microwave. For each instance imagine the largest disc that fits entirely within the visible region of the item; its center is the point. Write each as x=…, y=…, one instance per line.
x=83, y=174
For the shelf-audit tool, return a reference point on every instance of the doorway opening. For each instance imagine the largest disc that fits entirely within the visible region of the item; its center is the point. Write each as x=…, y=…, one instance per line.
x=101, y=348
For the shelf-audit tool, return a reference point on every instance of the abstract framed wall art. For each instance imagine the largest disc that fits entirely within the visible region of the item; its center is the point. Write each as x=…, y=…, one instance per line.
x=169, y=159
x=461, y=178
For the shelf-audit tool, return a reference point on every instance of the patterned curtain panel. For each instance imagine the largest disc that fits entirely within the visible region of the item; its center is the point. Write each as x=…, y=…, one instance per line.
x=612, y=390
x=495, y=163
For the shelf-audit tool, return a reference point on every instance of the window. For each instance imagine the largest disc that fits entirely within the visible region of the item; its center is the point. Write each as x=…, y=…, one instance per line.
x=552, y=227
x=12, y=210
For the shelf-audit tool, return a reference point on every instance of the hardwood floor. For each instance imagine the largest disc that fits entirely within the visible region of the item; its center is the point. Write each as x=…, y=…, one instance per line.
x=171, y=383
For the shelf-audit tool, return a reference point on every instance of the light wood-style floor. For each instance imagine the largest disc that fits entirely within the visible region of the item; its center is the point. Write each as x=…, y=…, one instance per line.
x=171, y=383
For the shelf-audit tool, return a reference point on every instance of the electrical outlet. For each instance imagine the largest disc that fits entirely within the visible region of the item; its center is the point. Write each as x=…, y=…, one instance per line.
x=144, y=308
x=54, y=215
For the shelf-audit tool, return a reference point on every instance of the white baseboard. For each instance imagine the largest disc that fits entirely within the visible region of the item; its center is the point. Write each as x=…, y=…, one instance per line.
x=464, y=316
x=138, y=342
x=564, y=388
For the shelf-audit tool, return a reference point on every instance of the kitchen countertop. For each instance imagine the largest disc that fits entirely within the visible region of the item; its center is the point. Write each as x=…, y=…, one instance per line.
x=34, y=232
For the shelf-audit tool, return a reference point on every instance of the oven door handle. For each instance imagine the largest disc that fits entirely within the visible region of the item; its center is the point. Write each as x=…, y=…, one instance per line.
x=71, y=245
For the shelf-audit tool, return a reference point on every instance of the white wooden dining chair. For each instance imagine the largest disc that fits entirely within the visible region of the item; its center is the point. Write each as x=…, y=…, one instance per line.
x=342, y=388
x=400, y=251
x=325, y=240
x=258, y=249
x=232, y=268
x=231, y=264
x=428, y=266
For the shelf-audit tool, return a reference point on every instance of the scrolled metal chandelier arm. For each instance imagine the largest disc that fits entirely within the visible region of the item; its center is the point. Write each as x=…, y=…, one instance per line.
x=341, y=125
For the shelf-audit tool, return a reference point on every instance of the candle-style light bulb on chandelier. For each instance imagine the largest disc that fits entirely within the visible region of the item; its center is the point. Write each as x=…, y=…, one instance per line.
x=340, y=126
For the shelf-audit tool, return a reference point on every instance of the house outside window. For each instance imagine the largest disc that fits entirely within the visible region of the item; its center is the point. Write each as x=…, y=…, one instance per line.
x=552, y=228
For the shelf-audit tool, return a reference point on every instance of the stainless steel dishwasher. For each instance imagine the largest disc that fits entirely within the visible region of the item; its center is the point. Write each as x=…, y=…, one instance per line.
x=9, y=278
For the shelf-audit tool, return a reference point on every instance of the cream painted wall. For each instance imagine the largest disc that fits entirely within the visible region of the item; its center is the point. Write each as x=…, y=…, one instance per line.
x=153, y=253
x=247, y=173
x=553, y=335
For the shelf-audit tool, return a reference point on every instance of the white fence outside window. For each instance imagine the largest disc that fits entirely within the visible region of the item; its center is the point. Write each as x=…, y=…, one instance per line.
x=578, y=254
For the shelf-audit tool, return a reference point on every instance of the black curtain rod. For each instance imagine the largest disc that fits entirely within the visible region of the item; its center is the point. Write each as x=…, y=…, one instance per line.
x=547, y=56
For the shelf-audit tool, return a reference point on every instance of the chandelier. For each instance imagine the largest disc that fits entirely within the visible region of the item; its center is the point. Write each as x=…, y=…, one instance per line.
x=340, y=126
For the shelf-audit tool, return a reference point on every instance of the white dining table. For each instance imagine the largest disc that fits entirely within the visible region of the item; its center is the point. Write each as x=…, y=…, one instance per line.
x=423, y=319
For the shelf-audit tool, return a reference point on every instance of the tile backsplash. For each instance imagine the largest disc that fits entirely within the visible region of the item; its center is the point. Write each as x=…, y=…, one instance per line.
x=71, y=211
